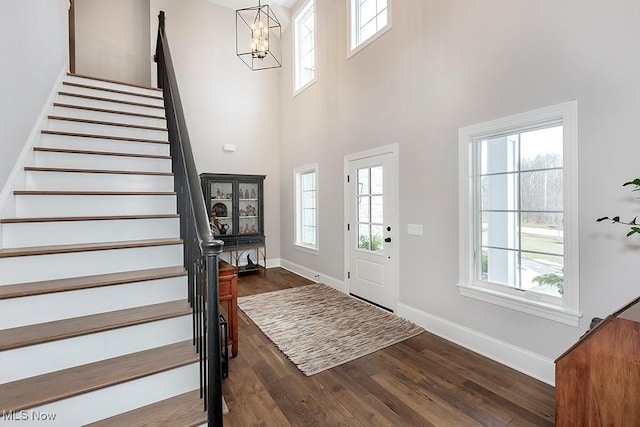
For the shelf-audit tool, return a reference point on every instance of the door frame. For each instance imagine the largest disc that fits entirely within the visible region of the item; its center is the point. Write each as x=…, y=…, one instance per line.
x=392, y=149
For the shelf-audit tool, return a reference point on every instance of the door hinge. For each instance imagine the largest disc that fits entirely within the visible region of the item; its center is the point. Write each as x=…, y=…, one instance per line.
x=348, y=275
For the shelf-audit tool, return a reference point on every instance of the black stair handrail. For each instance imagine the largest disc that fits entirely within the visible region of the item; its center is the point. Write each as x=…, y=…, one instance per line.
x=201, y=250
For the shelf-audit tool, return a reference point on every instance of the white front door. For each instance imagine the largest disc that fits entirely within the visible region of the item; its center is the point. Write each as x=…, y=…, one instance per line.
x=371, y=265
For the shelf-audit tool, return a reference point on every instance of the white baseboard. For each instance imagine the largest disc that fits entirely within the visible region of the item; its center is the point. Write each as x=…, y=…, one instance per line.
x=17, y=177
x=313, y=275
x=522, y=360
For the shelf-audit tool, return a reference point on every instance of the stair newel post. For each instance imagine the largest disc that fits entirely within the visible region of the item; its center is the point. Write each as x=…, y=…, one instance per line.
x=214, y=396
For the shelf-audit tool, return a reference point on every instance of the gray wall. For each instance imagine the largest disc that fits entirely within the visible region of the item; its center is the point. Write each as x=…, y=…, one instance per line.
x=34, y=48
x=452, y=63
x=224, y=101
x=112, y=39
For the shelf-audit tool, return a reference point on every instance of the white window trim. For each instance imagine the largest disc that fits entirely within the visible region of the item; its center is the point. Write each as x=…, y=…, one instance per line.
x=311, y=4
x=313, y=249
x=351, y=28
x=569, y=310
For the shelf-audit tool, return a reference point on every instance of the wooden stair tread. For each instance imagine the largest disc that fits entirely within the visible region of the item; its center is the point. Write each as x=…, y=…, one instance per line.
x=106, y=171
x=104, y=110
x=115, y=138
x=101, y=79
x=84, y=218
x=47, y=388
x=185, y=410
x=88, y=282
x=117, y=101
x=100, y=153
x=91, y=193
x=110, y=90
x=85, y=247
x=100, y=122
x=24, y=336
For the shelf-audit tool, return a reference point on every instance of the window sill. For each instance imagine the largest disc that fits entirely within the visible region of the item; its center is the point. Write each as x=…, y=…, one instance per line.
x=304, y=248
x=523, y=304
x=367, y=42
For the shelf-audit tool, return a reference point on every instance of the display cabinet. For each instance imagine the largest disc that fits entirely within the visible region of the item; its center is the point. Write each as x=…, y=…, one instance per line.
x=236, y=209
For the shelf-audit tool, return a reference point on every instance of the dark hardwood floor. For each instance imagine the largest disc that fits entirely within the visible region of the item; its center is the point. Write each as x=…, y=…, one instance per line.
x=423, y=381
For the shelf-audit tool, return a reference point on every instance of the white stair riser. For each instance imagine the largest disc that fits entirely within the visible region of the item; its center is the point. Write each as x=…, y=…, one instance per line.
x=65, y=305
x=35, y=206
x=51, y=159
x=113, y=95
x=99, y=144
x=108, y=105
x=27, y=362
x=109, y=85
x=77, y=232
x=34, y=268
x=78, y=181
x=108, y=117
x=104, y=403
x=97, y=129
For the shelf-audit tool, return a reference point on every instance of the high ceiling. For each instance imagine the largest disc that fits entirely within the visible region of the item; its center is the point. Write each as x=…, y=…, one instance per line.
x=239, y=4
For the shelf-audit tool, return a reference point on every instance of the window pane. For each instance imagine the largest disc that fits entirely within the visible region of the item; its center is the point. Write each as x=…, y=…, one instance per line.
x=309, y=199
x=541, y=148
x=309, y=235
x=309, y=217
x=382, y=20
x=376, y=210
x=376, y=238
x=363, y=209
x=367, y=11
x=363, y=181
x=382, y=4
x=499, y=192
x=500, y=266
x=368, y=30
x=499, y=154
x=309, y=181
x=364, y=234
x=542, y=233
x=543, y=274
x=541, y=190
x=500, y=230
x=376, y=180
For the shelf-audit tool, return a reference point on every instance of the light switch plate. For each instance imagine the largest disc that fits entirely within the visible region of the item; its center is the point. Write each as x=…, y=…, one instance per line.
x=414, y=229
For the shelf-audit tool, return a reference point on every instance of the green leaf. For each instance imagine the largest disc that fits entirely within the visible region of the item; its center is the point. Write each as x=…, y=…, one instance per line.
x=615, y=219
x=631, y=233
x=602, y=219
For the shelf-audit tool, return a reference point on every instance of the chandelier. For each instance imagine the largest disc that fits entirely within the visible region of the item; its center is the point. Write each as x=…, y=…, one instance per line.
x=258, y=37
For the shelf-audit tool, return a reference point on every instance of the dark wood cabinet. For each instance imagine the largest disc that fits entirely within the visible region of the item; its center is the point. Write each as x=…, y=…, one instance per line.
x=598, y=378
x=237, y=202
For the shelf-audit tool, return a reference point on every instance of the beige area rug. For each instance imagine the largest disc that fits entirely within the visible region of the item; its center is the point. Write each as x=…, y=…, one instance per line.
x=318, y=327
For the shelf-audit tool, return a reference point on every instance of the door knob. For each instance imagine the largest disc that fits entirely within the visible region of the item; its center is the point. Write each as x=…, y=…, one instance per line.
x=388, y=239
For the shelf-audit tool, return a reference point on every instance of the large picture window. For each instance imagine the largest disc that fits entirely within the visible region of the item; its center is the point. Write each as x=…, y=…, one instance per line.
x=306, y=189
x=518, y=179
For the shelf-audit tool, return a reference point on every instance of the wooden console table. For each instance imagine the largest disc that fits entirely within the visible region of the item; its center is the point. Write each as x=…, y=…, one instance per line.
x=228, y=294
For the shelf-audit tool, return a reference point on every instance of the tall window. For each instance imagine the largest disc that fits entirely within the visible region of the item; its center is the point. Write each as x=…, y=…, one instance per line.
x=304, y=39
x=518, y=176
x=369, y=18
x=306, y=207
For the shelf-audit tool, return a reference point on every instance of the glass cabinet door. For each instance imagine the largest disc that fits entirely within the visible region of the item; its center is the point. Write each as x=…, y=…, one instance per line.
x=248, y=208
x=221, y=208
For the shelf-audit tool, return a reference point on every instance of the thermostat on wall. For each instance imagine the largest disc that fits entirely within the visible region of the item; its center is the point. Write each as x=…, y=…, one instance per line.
x=229, y=147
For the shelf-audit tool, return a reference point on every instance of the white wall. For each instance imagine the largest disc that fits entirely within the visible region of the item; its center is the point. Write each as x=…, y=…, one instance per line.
x=452, y=63
x=224, y=101
x=34, y=49
x=112, y=39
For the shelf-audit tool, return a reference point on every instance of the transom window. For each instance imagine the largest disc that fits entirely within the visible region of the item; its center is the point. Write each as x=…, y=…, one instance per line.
x=518, y=196
x=304, y=49
x=369, y=18
x=306, y=207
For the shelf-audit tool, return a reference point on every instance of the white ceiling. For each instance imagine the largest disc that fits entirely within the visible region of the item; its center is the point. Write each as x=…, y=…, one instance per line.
x=239, y=4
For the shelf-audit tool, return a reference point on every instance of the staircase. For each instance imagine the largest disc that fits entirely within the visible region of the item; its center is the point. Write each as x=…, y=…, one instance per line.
x=95, y=324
